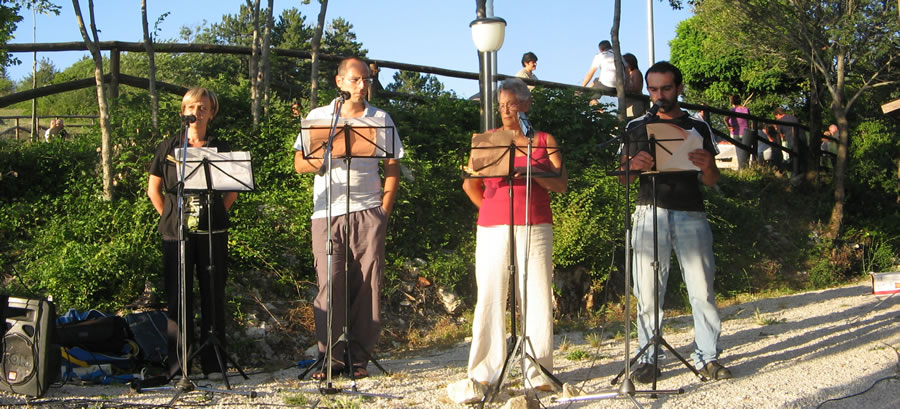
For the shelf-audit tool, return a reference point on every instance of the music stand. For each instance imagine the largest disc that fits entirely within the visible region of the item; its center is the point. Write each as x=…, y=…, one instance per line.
x=493, y=155
x=367, y=138
x=209, y=171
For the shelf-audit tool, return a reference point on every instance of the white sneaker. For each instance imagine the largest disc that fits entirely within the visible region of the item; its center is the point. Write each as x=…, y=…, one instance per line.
x=466, y=391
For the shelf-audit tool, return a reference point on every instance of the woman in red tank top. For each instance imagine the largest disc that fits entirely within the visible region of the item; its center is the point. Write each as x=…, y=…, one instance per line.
x=491, y=196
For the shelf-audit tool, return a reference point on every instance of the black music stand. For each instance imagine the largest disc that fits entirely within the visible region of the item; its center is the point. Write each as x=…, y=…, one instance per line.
x=210, y=171
x=369, y=138
x=493, y=155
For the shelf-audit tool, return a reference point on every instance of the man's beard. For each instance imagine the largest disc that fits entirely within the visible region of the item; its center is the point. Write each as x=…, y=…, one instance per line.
x=666, y=105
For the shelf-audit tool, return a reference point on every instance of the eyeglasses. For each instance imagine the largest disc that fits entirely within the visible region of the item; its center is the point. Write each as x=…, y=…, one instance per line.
x=359, y=81
x=508, y=105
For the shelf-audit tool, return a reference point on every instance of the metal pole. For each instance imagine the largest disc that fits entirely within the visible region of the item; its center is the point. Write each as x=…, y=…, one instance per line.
x=651, y=56
x=34, y=121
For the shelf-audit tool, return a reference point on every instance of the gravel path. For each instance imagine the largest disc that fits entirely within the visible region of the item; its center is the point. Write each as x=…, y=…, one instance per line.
x=798, y=351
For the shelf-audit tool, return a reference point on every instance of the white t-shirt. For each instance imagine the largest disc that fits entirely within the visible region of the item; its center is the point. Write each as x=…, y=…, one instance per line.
x=365, y=181
x=605, y=61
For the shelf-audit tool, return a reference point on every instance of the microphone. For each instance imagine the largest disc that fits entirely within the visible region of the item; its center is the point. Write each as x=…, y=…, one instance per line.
x=653, y=110
x=344, y=95
x=527, y=130
x=188, y=119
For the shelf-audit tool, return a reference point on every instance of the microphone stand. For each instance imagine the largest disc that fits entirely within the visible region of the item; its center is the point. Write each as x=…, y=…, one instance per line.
x=325, y=169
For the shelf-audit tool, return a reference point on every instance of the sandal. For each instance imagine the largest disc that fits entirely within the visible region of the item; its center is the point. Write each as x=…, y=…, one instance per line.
x=360, y=372
x=320, y=375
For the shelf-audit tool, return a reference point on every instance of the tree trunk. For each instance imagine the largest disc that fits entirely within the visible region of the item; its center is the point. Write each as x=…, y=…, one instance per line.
x=840, y=165
x=314, y=71
x=254, y=63
x=151, y=73
x=265, y=70
x=620, y=70
x=105, y=143
x=815, y=125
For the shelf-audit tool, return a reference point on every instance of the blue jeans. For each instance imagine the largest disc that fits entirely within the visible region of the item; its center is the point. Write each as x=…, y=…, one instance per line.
x=689, y=234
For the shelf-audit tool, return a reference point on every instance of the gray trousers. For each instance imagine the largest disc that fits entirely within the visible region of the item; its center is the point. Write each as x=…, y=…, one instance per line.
x=355, y=298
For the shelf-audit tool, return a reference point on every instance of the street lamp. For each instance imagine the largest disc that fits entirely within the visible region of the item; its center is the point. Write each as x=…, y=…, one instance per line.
x=487, y=34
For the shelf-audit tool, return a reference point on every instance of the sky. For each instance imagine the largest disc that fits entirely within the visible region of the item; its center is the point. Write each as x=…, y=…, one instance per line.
x=563, y=33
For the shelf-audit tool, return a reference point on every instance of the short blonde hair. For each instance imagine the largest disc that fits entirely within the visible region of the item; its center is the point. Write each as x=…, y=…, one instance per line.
x=196, y=94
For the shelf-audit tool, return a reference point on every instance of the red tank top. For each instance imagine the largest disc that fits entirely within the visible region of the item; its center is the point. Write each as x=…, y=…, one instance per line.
x=494, y=209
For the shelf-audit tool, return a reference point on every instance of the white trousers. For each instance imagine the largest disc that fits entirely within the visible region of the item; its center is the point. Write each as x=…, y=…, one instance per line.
x=488, y=352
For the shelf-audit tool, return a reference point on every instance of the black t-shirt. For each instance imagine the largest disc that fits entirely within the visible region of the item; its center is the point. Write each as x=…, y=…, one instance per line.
x=165, y=169
x=676, y=190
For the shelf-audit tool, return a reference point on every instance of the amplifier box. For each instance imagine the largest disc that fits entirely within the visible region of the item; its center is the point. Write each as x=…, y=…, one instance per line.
x=886, y=283
x=30, y=357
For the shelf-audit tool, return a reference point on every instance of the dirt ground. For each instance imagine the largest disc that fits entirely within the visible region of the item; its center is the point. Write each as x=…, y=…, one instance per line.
x=807, y=350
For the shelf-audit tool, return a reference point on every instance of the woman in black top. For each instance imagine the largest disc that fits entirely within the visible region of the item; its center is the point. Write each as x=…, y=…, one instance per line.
x=162, y=189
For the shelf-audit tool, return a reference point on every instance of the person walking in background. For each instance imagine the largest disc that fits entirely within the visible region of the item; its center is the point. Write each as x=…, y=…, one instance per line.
x=529, y=64
x=634, y=84
x=739, y=129
x=794, y=139
x=162, y=188
x=366, y=221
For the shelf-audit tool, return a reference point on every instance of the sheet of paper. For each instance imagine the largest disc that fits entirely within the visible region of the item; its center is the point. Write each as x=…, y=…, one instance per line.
x=673, y=145
x=229, y=171
x=369, y=137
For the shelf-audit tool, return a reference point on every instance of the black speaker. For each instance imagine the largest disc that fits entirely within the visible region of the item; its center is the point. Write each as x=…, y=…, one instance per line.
x=30, y=357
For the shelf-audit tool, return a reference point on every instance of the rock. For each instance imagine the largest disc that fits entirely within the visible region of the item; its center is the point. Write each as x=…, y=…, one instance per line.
x=449, y=299
x=466, y=391
x=571, y=391
x=522, y=402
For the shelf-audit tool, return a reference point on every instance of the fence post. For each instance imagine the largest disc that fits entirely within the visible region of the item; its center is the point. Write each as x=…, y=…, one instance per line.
x=373, y=73
x=114, y=74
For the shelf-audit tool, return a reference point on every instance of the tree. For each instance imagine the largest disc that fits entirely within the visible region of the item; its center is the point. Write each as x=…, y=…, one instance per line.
x=316, y=43
x=9, y=17
x=151, y=58
x=106, y=134
x=851, y=46
x=714, y=70
x=411, y=82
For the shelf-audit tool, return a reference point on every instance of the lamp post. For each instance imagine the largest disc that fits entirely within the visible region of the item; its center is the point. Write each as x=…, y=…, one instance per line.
x=487, y=34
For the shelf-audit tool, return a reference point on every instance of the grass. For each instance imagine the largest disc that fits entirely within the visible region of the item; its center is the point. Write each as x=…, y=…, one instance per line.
x=579, y=355
x=764, y=320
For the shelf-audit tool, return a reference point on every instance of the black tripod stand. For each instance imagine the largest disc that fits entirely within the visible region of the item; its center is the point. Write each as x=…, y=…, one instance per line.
x=366, y=136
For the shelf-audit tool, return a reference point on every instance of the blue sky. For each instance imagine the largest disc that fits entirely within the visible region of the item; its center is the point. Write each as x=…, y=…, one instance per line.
x=564, y=34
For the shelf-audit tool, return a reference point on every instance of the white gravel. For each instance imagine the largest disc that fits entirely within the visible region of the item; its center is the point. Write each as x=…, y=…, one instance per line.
x=798, y=352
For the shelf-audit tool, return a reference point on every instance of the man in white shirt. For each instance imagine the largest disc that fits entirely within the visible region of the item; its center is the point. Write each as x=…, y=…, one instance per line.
x=367, y=216
x=604, y=61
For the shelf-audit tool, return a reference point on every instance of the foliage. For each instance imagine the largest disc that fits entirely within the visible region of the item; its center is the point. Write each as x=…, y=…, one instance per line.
x=9, y=17
x=714, y=69
x=60, y=238
x=873, y=162
x=411, y=82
